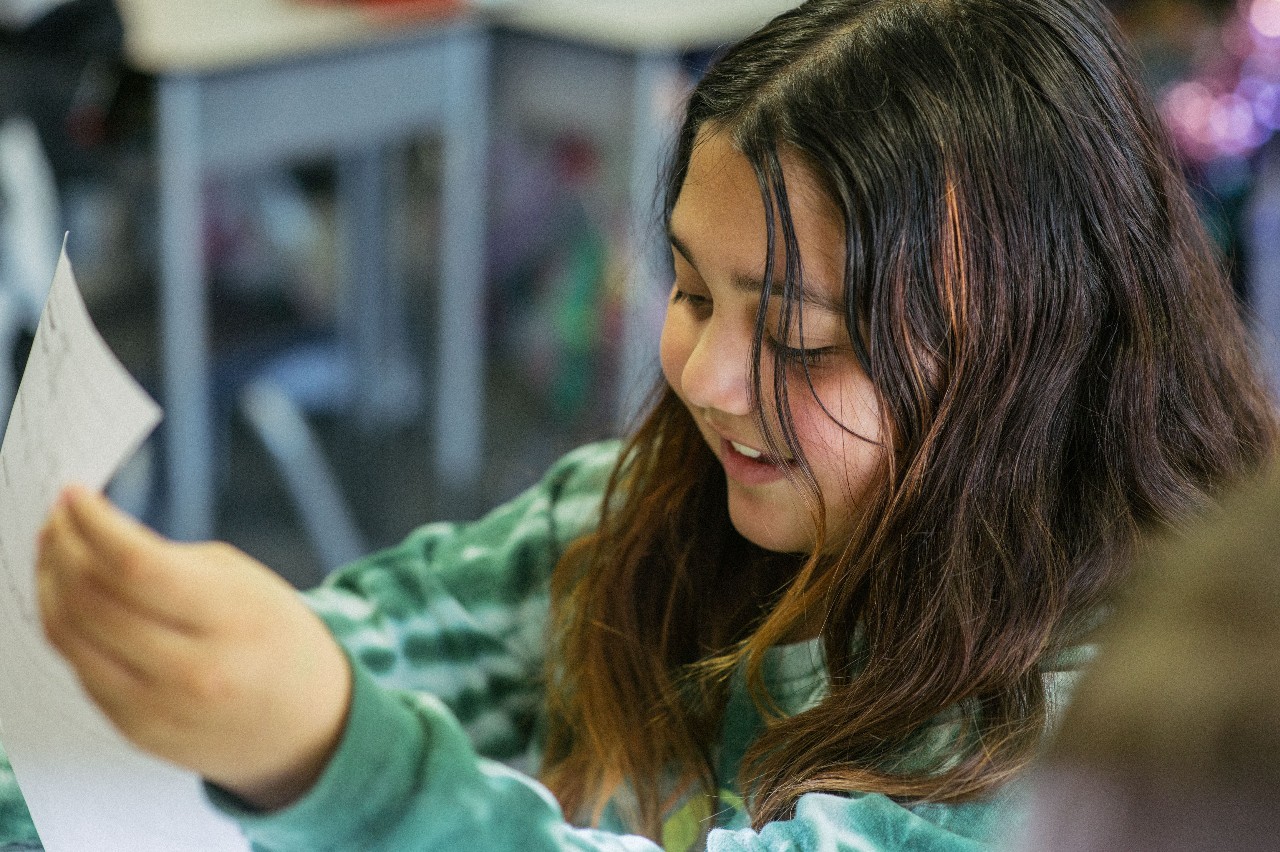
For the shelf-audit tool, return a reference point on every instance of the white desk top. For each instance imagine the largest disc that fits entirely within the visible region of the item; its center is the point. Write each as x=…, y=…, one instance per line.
x=642, y=25
x=166, y=36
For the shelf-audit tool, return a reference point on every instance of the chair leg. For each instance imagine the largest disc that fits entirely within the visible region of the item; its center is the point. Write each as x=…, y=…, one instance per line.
x=300, y=461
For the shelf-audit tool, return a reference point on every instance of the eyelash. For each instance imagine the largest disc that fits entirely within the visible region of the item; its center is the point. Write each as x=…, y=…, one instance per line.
x=798, y=356
x=700, y=304
x=681, y=296
x=810, y=358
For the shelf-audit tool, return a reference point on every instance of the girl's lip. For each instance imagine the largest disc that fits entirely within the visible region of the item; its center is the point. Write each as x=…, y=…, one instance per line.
x=746, y=470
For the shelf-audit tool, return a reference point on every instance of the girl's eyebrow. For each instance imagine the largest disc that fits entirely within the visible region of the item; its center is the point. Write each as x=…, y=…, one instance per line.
x=743, y=282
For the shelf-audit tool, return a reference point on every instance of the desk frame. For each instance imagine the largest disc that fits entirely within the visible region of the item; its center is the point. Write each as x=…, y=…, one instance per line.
x=349, y=104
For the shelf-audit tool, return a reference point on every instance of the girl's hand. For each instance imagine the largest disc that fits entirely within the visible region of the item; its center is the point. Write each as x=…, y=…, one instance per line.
x=196, y=652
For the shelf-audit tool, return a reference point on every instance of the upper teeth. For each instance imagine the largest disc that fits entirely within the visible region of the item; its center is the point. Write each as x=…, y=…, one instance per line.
x=746, y=451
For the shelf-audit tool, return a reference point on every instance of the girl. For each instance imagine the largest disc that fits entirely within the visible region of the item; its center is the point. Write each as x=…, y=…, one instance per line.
x=944, y=337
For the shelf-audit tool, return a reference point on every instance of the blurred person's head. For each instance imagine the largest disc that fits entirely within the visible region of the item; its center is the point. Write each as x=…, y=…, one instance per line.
x=1172, y=741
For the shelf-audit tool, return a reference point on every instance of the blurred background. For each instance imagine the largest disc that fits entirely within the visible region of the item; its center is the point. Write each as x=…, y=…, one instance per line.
x=361, y=270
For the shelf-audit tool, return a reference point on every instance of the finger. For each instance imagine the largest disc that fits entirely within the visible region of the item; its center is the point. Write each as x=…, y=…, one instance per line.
x=63, y=628
x=64, y=558
x=60, y=548
x=105, y=529
x=49, y=600
x=116, y=688
x=157, y=652
x=126, y=559
x=76, y=599
x=63, y=566
x=147, y=700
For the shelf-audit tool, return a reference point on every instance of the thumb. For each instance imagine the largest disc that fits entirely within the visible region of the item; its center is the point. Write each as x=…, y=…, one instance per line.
x=103, y=528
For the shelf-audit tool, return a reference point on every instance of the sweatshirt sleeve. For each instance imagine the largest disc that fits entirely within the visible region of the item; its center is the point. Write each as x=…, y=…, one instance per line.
x=456, y=610
x=459, y=610
x=406, y=777
x=447, y=631
x=17, y=831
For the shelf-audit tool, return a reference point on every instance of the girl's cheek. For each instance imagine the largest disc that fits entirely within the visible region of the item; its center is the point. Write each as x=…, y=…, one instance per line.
x=673, y=351
x=838, y=421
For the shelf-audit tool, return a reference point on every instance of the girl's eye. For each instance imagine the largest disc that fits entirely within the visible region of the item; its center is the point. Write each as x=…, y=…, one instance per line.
x=801, y=357
x=697, y=302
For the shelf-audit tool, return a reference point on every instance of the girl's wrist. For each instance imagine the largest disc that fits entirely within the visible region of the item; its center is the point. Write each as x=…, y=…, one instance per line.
x=324, y=721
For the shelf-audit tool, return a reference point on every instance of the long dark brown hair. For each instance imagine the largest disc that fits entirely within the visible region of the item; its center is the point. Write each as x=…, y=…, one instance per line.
x=1059, y=364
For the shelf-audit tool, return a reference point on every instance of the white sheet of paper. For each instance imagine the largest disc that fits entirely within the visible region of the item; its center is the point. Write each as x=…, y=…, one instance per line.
x=77, y=416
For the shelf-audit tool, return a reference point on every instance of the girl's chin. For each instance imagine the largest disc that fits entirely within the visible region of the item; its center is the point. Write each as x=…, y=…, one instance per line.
x=771, y=528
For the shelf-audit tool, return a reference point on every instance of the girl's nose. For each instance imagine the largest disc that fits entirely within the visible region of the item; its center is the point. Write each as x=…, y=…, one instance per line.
x=717, y=374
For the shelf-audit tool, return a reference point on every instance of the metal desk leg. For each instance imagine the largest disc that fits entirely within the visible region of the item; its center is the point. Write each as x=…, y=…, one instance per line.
x=183, y=321
x=460, y=389
x=387, y=388
x=361, y=220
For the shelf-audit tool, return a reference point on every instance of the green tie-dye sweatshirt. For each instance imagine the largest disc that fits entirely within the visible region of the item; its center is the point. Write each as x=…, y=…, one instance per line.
x=447, y=634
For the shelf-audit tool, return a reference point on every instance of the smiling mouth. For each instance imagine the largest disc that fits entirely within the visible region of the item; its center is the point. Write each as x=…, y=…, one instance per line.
x=754, y=455
x=749, y=466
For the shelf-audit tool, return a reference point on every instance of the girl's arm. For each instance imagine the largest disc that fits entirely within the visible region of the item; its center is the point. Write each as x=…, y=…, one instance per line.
x=406, y=777
x=398, y=771
x=203, y=656
x=459, y=610
x=197, y=653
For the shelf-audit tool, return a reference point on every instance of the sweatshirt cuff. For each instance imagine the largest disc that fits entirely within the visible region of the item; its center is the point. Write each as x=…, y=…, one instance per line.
x=369, y=777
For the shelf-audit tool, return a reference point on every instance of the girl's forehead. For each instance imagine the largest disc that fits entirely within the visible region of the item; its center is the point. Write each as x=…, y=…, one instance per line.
x=718, y=221
x=715, y=158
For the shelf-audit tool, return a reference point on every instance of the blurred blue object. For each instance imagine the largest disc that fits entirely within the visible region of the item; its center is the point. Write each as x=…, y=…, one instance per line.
x=29, y=240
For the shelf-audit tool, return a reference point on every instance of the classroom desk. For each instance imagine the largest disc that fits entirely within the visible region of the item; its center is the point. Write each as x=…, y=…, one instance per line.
x=649, y=39
x=247, y=83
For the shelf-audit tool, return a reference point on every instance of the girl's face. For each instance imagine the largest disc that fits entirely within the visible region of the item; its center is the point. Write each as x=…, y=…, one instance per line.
x=718, y=242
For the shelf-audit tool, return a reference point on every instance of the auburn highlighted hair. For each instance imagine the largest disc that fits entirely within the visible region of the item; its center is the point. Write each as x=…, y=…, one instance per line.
x=1060, y=365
